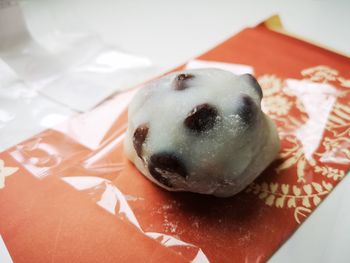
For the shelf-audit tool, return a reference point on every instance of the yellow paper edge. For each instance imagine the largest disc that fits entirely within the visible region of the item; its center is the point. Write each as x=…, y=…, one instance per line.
x=274, y=23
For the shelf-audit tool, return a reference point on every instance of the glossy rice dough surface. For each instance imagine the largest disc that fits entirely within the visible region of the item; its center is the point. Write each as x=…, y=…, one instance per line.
x=201, y=131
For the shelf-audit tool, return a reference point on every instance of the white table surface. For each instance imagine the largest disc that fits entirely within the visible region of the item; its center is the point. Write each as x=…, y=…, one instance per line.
x=171, y=32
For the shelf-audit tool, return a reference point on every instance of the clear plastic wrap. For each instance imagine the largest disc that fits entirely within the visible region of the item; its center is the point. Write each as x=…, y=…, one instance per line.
x=64, y=63
x=45, y=69
x=23, y=112
x=83, y=159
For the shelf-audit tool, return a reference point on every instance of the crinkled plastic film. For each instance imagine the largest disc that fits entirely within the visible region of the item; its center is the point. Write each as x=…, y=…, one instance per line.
x=308, y=98
x=62, y=63
x=21, y=104
x=45, y=69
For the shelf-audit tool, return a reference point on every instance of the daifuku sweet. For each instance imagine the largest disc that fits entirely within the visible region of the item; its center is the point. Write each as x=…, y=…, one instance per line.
x=201, y=131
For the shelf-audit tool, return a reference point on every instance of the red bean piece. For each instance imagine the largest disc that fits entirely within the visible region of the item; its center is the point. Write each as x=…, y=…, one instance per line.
x=181, y=81
x=201, y=118
x=254, y=83
x=247, y=110
x=139, y=138
x=164, y=166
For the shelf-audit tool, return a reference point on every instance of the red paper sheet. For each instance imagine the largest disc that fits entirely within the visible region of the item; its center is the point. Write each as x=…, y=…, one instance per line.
x=71, y=195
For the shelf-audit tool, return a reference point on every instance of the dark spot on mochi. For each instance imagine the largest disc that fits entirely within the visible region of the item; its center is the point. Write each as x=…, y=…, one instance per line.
x=164, y=166
x=254, y=83
x=139, y=138
x=247, y=109
x=201, y=118
x=181, y=81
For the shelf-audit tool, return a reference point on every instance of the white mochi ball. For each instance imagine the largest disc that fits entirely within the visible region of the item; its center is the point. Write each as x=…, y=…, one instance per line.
x=201, y=131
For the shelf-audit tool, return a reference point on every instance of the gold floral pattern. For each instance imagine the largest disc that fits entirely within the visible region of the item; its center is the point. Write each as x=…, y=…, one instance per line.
x=294, y=155
x=274, y=102
x=270, y=84
x=314, y=173
x=325, y=74
x=336, y=149
x=278, y=102
x=5, y=172
x=344, y=82
x=278, y=105
x=339, y=120
x=329, y=172
x=320, y=74
x=291, y=196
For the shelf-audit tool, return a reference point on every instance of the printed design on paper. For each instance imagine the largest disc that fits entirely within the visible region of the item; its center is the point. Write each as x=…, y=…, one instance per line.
x=325, y=74
x=5, y=172
x=316, y=173
x=291, y=196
